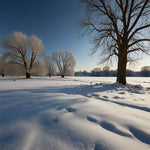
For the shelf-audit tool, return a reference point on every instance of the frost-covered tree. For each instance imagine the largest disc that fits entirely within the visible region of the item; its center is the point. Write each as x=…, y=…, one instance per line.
x=118, y=27
x=14, y=70
x=65, y=62
x=7, y=68
x=3, y=64
x=50, y=65
x=23, y=51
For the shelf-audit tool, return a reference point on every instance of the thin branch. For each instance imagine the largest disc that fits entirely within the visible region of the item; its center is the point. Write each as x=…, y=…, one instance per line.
x=137, y=41
x=139, y=15
x=138, y=29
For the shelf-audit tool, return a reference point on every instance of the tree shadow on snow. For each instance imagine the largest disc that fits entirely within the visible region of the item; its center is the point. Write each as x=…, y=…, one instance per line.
x=90, y=90
x=23, y=104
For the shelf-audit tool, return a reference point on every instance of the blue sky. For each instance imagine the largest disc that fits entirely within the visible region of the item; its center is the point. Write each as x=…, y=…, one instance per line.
x=56, y=23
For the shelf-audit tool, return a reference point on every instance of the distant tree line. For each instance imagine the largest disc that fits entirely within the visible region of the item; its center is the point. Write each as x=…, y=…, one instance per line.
x=106, y=72
x=24, y=55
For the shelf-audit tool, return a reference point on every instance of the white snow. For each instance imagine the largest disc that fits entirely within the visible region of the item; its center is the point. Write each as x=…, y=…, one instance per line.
x=75, y=113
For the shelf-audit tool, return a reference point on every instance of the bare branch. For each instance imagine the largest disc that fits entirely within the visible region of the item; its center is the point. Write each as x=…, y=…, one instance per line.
x=138, y=29
x=137, y=41
x=139, y=15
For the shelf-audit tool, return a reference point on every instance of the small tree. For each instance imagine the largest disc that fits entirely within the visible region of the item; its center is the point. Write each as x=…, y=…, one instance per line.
x=23, y=51
x=145, y=71
x=50, y=65
x=65, y=62
x=2, y=66
x=4, y=63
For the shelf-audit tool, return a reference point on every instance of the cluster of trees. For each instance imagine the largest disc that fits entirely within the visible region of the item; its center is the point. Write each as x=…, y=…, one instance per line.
x=105, y=72
x=25, y=55
x=118, y=27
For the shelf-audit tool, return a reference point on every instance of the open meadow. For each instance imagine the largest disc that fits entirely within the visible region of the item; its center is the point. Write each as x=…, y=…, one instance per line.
x=74, y=113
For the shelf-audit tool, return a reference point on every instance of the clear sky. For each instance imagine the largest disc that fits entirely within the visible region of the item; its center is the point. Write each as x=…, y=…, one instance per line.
x=56, y=23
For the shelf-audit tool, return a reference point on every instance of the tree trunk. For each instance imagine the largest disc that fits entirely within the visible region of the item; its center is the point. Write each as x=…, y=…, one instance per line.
x=3, y=75
x=62, y=76
x=121, y=71
x=28, y=75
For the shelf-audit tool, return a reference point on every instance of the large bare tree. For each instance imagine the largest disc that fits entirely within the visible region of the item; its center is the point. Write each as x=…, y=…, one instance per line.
x=118, y=27
x=65, y=62
x=23, y=50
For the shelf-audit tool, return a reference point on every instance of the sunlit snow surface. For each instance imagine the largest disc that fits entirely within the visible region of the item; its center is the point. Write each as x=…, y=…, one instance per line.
x=75, y=113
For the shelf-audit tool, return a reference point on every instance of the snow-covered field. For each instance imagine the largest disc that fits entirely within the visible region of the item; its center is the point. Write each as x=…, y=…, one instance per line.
x=75, y=113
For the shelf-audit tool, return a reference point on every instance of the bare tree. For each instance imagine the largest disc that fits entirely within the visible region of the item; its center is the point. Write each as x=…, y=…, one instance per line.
x=118, y=27
x=23, y=51
x=65, y=62
x=50, y=65
x=3, y=64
